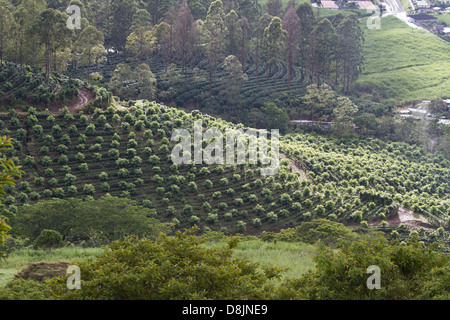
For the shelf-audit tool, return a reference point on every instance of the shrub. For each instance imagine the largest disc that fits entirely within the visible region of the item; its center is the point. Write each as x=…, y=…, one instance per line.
x=329, y=205
x=88, y=189
x=83, y=167
x=46, y=161
x=192, y=186
x=70, y=179
x=208, y=184
x=72, y=191
x=228, y=216
x=285, y=199
x=193, y=220
x=212, y=218
x=241, y=226
x=271, y=216
x=180, y=260
x=320, y=210
x=222, y=206
x=47, y=193
x=332, y=217
x=43, y=150
x=34, y=196
x=105, y=187
x=256, y=222
x=63, y=159
x=49, y=172
x=90, y=130
x=24, y=289
x=60, y=193
x=48, y=239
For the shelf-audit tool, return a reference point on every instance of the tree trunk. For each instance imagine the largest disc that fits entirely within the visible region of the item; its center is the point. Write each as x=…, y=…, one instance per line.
x=256, y=62
x=47, y=63
x=289, y=69
x=210, y=77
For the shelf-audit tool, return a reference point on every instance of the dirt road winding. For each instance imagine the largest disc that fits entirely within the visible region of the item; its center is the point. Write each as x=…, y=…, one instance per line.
x=84, y=97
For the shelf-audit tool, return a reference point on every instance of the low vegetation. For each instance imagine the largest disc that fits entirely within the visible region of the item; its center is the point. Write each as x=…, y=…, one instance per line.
x=399, y=64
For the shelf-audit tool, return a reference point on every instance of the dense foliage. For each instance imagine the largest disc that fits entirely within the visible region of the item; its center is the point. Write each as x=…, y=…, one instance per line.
x=407, y=271
x=169, y=268
x=95, y=222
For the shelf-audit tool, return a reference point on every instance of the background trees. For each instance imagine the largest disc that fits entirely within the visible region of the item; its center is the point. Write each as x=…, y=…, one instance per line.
x=142, y=41
x=6, y=21
x=233, y=81
x=50, y=28
x=274, y=37
x=350, y=55
x=90, y=46
x=214, y=30
x=291, y=23
x=186, y=35
x=122, y=12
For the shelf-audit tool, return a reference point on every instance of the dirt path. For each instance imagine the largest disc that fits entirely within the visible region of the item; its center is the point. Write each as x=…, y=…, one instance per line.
x=296, y=167
x=84, y=97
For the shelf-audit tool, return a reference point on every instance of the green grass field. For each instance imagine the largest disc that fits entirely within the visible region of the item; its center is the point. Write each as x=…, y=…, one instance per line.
x=443, y=18
x=404, y=64
x=294, y=258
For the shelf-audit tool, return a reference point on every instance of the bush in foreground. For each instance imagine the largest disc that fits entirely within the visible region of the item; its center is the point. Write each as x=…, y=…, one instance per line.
x=177, y=267
x=407, y=271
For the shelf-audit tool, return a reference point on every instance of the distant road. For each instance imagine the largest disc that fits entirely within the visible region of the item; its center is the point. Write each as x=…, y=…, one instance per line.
x=394, y=7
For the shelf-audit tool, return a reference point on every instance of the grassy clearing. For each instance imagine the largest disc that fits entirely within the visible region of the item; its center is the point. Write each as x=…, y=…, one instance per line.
x=296, y=258
x=403, y=63
x=20, y=259
x=445, y=17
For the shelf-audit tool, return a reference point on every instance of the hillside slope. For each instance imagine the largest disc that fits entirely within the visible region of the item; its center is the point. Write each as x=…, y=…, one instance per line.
x=127, y=153
x=404, y=64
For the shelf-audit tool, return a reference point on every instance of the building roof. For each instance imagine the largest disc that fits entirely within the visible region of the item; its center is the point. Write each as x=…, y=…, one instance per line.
x=329, y=4
x=367, y=5
x=422, y=3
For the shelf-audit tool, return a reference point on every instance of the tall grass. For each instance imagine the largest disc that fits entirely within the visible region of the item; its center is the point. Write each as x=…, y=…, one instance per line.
x=294, y=258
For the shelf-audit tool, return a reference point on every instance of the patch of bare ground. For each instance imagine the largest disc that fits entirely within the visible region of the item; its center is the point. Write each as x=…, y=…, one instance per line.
x=408, y=218
x=84, y=97
x=42, y=271
x=296, y=167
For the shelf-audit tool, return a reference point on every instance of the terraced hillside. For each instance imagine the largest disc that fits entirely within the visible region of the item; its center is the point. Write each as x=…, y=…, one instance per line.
x=127, y=153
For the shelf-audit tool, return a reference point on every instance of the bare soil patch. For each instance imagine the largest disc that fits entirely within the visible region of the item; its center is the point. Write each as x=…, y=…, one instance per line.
x=408, y=218
x=296, y=167
x=42, y=271
x=84, y=97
